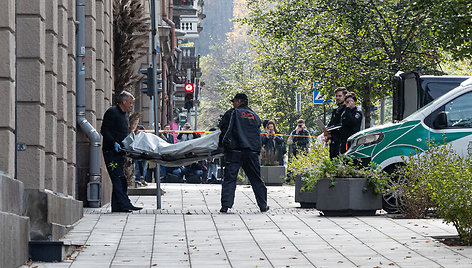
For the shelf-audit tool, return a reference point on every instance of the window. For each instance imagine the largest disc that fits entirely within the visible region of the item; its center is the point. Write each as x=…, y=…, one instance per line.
x=459, y=112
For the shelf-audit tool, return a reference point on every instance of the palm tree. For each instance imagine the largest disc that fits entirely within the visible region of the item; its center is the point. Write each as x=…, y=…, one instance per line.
x=130, y=33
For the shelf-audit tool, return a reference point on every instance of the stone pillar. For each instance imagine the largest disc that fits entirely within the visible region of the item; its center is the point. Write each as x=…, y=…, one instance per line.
x=108, y=32
x=108, y=84
x=100, y=61
x=7, y=87
x=71, y=103
x=14, y=228
x=90, y=58
x=31, y=37
x=62, y=88
x=51, y=94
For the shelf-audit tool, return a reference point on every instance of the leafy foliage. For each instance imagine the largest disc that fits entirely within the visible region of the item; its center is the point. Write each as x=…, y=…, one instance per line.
x=450, y=23
x=447, y=178
x=352, y=43
x=315, y=165
x=130, y=31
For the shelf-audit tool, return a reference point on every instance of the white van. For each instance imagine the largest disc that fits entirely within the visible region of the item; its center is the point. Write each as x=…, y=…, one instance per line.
x=447, y=118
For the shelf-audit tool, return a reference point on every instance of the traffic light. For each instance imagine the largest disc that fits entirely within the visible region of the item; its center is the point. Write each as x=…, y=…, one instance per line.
x=149, y=90
x=189, y=89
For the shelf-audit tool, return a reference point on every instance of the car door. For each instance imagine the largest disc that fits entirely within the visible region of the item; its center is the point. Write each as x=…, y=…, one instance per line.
x=452, y=123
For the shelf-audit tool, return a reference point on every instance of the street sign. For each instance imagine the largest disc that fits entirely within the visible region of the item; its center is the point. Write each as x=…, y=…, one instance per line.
x=317, y=97
x=298, y=103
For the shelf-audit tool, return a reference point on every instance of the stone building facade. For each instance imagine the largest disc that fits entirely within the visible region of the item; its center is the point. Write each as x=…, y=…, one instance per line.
x=44, y=156
x=38, y=182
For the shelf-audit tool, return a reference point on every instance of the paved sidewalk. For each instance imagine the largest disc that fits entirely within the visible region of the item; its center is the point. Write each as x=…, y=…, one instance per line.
x=190, y=232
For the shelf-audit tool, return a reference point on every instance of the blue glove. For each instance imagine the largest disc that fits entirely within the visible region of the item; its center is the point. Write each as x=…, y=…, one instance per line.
x=117, y=147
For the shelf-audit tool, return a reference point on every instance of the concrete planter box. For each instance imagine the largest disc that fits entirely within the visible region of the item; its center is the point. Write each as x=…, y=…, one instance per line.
x=273, y=175
x=349, y=197
x=306, y=199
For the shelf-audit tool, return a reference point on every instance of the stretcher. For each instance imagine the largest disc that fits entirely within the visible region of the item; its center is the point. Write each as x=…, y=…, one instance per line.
x=148, y=146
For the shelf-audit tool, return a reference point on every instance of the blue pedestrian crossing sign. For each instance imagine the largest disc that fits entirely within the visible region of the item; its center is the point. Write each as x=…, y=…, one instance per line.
x=317, y=97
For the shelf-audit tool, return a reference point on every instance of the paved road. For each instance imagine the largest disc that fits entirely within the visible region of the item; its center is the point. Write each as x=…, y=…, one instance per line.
x=190, y=232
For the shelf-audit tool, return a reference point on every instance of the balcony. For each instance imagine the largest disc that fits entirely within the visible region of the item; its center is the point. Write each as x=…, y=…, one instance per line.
x=184, y=8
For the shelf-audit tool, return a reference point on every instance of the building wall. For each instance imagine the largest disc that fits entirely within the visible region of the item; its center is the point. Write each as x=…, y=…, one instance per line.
x=39, y=37
x=14, y=227
x=7, y=86
x=98, y=86
x=37, y=40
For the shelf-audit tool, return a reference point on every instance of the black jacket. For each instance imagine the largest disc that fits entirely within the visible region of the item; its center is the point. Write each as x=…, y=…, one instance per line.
x=275, y=144
x=243, y=130
x=114, y=127
x=351, y=120
x=301, y=142
x=336, y=121
x=224, y=124
x=187, y=136
x=169, y=137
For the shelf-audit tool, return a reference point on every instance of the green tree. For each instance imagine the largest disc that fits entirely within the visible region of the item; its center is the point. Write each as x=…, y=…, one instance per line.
x=451, y=24
x=357, y=44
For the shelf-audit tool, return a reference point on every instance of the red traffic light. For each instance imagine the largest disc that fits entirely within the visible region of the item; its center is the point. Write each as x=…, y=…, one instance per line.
x=189, y=87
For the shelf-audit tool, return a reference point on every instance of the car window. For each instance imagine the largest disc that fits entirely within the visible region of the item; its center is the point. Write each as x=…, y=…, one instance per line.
x=459, y=112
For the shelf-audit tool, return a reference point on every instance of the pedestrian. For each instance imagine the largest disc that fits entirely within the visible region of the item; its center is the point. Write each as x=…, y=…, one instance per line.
x=333, y=137
x=351, y=120
x=167, y=136
x=273, y=146
x=140, y=164
x=114, y=130
x=212, y=168
x=264, y=125
x=300, y=140
x=242, y=146
x=187, y=136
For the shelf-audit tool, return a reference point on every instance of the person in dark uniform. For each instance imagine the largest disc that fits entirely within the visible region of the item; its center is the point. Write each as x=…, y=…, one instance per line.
x=300, y=139
x=351, y=120
x=114, y=130
x=334, y=135
x=241, y=141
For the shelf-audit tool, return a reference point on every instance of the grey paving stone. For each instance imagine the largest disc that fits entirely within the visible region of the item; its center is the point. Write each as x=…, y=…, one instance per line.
x=189, y=222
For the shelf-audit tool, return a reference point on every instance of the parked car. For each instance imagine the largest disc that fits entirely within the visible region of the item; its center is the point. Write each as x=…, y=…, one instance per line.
x=447, y=118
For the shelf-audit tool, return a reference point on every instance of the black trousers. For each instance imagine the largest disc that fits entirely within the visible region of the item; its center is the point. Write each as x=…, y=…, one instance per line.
x=334, y=148
x=115, y=167
x=251, y=165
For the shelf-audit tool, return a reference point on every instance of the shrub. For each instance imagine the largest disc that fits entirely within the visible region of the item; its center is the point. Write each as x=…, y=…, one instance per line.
x=306, y=164
x=441, y=178
x=413, y=183
x=451, y=190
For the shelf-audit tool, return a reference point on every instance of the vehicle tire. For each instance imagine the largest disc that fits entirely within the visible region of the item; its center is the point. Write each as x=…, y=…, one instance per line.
x=392, y=198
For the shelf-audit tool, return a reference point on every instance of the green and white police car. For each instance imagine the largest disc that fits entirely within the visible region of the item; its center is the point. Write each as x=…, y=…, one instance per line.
x=448, y=118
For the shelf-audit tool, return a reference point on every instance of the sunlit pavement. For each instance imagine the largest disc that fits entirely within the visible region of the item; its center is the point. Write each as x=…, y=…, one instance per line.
x=189, y=231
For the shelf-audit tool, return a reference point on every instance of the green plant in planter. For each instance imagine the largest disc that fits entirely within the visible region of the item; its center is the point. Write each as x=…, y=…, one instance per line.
x=344, y=167
x=315, y=165
x=305, y=163
x=269, y=157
